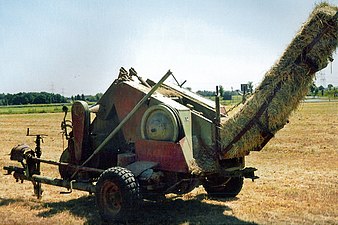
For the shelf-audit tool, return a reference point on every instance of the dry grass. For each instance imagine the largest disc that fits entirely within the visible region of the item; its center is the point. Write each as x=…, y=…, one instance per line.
x=298, y=180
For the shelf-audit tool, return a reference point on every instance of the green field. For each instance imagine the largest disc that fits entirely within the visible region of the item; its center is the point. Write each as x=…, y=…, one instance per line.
x=35, y=108
x=55, y=108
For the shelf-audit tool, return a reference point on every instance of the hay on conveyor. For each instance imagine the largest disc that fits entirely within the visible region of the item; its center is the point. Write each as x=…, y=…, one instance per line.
x=283, y=86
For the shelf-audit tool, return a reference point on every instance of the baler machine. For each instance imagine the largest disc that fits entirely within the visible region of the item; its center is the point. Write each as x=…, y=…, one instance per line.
x=147, y=139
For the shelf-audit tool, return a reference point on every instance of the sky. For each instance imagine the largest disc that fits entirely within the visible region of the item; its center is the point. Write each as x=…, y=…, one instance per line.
x=74, y=47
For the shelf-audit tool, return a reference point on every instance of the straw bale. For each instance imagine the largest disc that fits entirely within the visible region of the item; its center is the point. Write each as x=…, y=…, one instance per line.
x=283, y=86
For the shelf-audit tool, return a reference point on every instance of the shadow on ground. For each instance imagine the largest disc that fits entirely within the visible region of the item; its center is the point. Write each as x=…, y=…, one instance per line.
x=7, y=201
x=171, y=211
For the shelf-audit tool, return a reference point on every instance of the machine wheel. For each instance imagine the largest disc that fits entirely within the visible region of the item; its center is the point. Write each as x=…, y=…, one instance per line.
x=223, y=187
x=65, y=172
x=117, y=193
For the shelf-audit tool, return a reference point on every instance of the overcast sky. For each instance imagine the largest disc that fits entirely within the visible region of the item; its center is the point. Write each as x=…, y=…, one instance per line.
x=74, y=47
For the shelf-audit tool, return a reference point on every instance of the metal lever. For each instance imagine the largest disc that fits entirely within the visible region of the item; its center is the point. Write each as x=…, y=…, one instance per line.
x=70, y=189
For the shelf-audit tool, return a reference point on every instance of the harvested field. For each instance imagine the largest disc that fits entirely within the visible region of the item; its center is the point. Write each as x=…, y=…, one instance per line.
x=298, y=179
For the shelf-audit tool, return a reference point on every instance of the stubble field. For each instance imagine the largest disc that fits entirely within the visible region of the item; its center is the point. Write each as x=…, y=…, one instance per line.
x=298, y=179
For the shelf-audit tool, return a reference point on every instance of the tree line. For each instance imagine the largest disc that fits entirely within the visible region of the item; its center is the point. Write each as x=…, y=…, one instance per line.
x=226, y=94
x=88, y=98
x=329, y=91
x=24, y=98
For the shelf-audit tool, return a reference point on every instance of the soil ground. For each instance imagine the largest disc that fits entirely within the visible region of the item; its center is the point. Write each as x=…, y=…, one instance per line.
x=298, y=179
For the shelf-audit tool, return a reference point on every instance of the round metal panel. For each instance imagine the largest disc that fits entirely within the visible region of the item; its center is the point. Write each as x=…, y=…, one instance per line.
x=159, y=123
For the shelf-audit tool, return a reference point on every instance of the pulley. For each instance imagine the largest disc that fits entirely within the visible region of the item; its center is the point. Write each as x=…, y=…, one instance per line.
x=160, y=123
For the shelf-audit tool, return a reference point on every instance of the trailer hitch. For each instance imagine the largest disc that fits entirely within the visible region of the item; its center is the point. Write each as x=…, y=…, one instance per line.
x=248, y=172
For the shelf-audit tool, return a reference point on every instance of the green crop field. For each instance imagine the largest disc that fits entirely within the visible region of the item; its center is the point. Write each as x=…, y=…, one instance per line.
x=37, y=108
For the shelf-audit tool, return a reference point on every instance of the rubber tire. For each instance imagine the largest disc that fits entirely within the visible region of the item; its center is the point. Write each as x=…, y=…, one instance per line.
x=223, y=187
x=65, y=172
x=117, y=194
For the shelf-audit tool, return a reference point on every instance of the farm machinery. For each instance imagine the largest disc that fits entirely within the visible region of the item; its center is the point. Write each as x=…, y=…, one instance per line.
x=143, y=139
x=147, y=139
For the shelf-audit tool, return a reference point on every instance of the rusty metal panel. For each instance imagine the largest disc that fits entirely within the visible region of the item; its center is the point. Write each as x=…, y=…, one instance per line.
x=81, y=120
x=125, y=159
x=169, y=155
x=125, y=98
